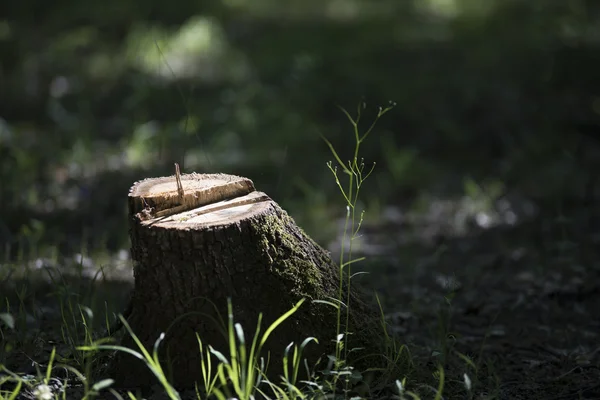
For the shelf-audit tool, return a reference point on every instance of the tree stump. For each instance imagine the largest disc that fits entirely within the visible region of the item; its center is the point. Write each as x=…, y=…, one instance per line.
x=198, y=239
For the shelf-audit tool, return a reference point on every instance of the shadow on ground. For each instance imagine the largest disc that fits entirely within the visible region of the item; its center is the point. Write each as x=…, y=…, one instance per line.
x=520, y=303
x=514, y=308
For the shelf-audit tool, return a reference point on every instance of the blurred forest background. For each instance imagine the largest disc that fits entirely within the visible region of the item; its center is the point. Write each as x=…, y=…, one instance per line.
x=496, y=99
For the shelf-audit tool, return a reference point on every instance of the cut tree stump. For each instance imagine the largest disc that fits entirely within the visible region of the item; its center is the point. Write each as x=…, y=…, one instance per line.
x=199, y=239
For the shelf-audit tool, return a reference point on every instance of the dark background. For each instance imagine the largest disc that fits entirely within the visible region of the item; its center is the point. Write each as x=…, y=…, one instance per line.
x=494, y=98
x=482, y=224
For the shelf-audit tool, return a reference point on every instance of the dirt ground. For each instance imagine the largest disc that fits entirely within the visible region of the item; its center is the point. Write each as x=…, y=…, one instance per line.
x=522, y=303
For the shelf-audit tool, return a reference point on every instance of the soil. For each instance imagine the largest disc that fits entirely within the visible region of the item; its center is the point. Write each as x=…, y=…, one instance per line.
x=515, y=308
x=522, y=303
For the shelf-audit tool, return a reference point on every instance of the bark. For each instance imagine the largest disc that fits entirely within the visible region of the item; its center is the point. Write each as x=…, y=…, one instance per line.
x=219, y=238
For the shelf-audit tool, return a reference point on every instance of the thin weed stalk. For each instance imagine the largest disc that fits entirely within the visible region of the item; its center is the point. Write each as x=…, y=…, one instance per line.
x=357, y=174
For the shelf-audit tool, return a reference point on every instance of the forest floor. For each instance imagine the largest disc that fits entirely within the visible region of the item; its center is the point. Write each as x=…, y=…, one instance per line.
x=522, y=303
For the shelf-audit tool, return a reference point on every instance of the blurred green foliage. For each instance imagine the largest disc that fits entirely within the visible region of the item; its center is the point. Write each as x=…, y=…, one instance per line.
x=95, y=95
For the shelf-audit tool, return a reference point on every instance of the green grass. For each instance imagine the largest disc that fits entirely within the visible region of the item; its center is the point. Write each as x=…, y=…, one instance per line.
x=241, y=372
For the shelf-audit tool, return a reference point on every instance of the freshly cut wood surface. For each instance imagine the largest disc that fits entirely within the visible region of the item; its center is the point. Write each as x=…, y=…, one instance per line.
x=223, y=212
x=159, y=197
